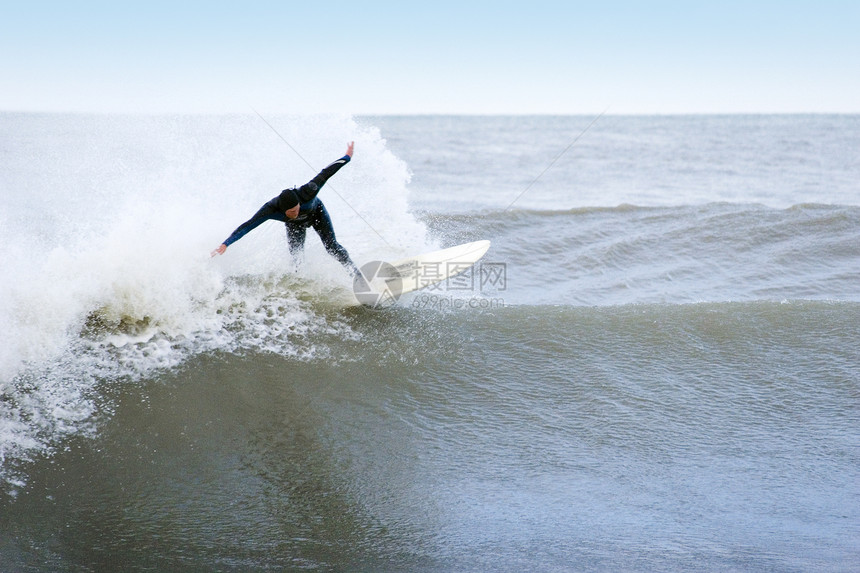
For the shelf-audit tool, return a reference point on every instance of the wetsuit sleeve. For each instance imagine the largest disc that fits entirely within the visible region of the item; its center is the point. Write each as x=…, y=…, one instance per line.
x=266, y=212
x=310, y=189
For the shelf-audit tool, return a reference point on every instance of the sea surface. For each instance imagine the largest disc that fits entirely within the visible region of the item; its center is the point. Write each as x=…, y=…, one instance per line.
x=656, y=366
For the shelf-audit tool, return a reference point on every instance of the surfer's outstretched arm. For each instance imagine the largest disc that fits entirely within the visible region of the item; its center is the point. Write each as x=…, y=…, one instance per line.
x=310, y=189
x=266, y=212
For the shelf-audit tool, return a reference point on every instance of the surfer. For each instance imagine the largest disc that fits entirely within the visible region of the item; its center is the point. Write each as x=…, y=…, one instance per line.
x=300, y=208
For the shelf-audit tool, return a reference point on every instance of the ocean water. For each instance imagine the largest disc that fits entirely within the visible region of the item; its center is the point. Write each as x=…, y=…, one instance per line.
x=655, y=367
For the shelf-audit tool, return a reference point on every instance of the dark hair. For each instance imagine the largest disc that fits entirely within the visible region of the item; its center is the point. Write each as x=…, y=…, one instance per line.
x=287, y=199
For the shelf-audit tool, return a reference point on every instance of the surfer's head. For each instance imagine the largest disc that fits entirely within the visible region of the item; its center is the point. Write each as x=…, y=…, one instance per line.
x=287, y=199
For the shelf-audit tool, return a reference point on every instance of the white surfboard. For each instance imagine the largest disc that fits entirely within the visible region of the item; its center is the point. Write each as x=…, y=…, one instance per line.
x=381, y=284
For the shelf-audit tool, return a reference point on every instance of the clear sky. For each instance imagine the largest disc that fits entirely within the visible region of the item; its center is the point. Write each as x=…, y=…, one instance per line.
x=433, y=56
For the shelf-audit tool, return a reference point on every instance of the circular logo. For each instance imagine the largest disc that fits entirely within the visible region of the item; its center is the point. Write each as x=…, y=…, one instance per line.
x=377, y=285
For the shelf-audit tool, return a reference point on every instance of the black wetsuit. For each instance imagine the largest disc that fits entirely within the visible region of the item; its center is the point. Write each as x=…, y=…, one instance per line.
x=312, y=213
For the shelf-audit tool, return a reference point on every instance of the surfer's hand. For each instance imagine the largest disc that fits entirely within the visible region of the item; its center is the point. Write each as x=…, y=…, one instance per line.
x=220, y=250
x=349, y=148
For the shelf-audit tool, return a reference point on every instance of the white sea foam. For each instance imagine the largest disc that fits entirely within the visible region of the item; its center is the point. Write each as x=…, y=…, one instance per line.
x=106, y=267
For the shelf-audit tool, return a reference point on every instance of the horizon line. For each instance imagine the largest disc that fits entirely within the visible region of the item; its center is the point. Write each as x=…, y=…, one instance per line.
x=151, y=113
